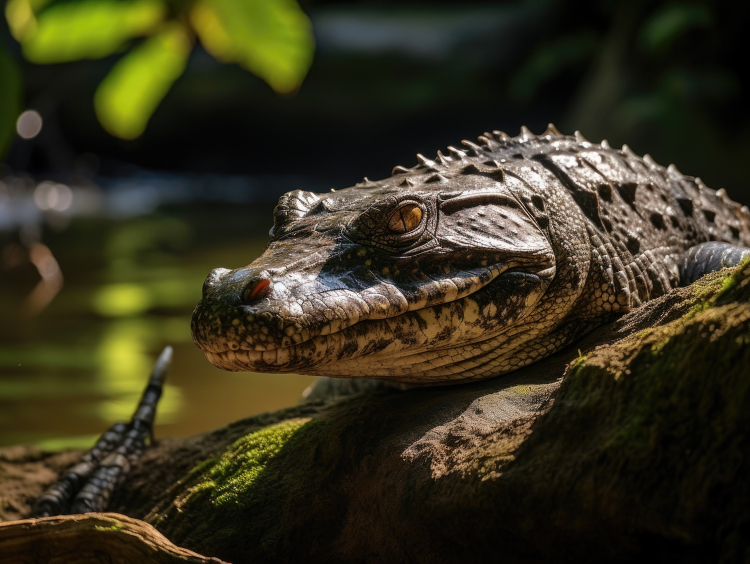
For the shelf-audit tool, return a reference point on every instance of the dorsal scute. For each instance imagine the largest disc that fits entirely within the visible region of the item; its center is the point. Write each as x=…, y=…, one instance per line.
x=526, y=134
x=500, y=147
x=297, y=202
x=488, y=145
x=292, y=206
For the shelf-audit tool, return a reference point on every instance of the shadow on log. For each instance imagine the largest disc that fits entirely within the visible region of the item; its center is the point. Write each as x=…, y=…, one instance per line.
x=640, y=452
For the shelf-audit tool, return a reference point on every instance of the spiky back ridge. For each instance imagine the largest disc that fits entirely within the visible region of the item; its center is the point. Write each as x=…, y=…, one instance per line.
x=719, y=217
x=490, y=145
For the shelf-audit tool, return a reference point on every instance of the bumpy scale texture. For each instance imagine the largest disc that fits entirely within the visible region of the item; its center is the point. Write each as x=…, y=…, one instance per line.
x=468, y=266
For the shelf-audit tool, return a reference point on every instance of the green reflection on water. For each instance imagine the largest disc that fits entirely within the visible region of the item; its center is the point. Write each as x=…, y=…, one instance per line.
x=130, y=288
x=125, y=359
x=17, y=388
x=51, y=355
x=121, y=299
x=64, y=443
x=128, y=299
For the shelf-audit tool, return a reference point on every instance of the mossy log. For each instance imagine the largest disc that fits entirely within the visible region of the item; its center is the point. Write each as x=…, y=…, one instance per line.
x=639, y=451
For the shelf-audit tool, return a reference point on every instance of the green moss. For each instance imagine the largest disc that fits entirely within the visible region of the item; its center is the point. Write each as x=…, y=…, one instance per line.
x=523, y=390
x=579, y=361
x=711, y=291
x=247, y=491
x=229, y=478
x=114, y=527
x=672, y=399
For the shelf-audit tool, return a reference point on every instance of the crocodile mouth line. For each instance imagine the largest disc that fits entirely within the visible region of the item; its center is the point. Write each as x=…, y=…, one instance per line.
x=329, y=346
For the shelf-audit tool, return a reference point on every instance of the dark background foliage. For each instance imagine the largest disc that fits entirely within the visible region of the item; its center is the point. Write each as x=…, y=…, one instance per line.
x=390, y=79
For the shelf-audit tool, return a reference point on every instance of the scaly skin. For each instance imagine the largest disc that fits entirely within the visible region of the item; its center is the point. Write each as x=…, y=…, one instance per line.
x=462, y=268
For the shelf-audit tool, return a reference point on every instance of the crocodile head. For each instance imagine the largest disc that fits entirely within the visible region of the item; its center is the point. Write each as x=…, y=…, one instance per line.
x=408, y=279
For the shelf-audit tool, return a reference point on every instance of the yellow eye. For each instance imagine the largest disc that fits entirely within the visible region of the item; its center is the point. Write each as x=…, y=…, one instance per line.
x=405, y=219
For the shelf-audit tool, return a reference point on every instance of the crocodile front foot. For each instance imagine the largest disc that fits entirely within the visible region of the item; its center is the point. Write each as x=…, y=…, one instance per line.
x=88, y=485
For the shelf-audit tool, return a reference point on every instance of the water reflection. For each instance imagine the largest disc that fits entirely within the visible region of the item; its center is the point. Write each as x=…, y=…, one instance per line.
x=51, y=279
x=130, y=288
x=123, y=358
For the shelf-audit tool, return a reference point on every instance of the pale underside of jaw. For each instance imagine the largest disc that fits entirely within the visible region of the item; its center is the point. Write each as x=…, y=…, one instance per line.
x=392, y=348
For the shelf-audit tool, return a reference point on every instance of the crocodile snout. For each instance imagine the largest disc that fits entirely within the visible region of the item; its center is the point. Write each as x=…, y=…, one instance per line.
x=243, y=286
x=213, y=280
x=240, y=310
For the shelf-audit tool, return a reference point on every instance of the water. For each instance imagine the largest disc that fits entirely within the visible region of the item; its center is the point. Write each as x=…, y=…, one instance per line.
x=73, y=367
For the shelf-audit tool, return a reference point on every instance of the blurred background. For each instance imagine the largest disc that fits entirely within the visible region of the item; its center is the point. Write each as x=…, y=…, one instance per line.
x=145, y=142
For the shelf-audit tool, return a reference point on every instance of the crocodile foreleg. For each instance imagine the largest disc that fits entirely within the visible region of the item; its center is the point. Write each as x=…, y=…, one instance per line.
x=88, y=485
x=709, y=257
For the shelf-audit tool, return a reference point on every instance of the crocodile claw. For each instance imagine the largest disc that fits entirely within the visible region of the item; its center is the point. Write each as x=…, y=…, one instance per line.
x=88, y=485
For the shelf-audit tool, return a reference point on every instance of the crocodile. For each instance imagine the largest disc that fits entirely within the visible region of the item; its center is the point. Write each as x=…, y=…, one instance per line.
x=466, y=266
x=463, y=267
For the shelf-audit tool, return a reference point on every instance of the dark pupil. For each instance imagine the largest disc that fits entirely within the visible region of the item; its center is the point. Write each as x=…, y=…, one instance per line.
x=405, y=219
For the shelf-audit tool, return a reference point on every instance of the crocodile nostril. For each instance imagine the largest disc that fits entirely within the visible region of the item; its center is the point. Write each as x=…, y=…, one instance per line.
x=255, y=291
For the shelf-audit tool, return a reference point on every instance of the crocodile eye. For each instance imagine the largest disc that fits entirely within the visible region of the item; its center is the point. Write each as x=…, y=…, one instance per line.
x=405, y=219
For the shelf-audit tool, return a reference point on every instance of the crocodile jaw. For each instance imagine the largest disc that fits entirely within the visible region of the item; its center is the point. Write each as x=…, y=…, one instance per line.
x=439, y=343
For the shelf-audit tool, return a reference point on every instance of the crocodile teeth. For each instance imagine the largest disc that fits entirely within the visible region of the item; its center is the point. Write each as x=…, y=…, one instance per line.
x=501, y=135
x=551, y=130
x=580, y=138
x=399, y=170
x=605, y=144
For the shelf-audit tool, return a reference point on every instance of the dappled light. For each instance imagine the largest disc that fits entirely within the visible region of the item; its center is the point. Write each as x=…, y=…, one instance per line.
x=29, y=124
x=53, y=196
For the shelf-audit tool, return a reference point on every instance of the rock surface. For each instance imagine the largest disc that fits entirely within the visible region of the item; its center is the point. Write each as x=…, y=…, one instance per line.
x=639, y=451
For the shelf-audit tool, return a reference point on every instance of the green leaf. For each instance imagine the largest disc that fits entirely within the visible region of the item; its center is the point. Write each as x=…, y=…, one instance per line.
x=270, y=38
x=132, y=90
x=672, y=21
x=21, y=17
x=10, y=99
x=89, y=29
